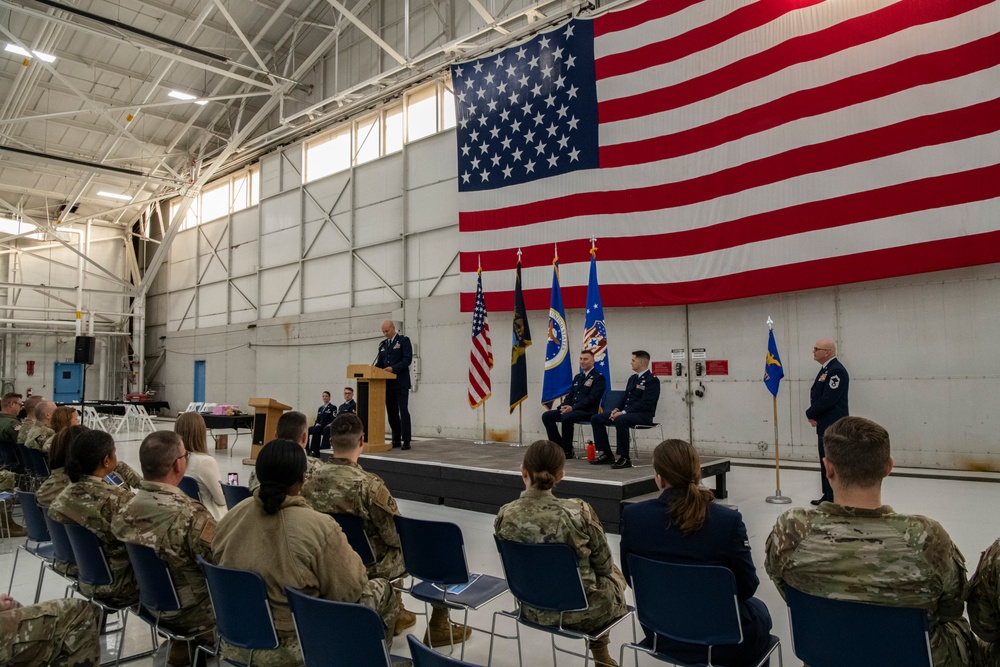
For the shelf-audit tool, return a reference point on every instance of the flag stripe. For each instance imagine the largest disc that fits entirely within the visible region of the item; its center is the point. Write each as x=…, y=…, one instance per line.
x=640, y=14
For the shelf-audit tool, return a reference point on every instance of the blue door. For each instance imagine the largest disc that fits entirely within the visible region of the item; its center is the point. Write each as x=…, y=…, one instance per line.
x=199, y=381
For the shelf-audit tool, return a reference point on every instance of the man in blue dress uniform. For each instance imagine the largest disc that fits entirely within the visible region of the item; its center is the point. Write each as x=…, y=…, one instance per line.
x=395, y=354
x=318, y=436
x=642, y=392
x=349, y=405
x=580, y=405
x=827, y=402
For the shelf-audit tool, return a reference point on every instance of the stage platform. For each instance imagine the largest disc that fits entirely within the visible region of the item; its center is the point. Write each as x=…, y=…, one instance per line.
x=483, y=477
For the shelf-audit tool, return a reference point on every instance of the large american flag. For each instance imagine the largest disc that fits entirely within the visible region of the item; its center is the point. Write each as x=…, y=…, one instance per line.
x=481, y=353
x=730, y=148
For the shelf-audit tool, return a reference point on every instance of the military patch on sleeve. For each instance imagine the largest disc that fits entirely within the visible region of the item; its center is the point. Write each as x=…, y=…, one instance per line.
x=207, y=532
x=834, y=382
x=385, y=500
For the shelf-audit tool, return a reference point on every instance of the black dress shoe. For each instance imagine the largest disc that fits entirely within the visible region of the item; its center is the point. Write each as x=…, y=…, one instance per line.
x=623, y=462
x=395, y=445
x=603, y=459
x=405, y=446
x=570, y=455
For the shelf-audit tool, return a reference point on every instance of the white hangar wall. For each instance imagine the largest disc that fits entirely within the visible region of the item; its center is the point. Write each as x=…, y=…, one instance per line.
x=279, y=298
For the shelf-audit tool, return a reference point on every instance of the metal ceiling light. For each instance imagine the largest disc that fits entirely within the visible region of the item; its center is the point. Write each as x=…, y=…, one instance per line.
x=14, y=48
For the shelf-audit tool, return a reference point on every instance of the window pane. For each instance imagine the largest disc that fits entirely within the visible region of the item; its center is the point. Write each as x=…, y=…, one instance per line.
x=394, y=130
x=215, y=202
x=447, y=107
x=255, y=186
x=421, y=114
x=239, y=200
x=367, y=140
x=191, y=219
x=327, y=156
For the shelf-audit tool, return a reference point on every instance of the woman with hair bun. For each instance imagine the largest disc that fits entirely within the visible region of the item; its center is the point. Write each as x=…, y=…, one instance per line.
x=538, y=516
x=684, y=526
x=281, y=537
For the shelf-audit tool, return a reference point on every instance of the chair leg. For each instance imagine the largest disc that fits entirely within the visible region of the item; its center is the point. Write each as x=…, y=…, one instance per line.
x=121, y=641
x=17, y=552
x=41, y=577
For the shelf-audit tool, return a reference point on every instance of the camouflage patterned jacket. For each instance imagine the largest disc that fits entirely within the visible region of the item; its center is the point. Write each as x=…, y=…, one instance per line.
x=877, y=555
x=55, y=632
x=10, y=427
x=984, y=600
x=179, y=529
x=59, y=480
x=39, y=437
x=93, y=503
x=342, y=486
x=538, y=516
x=26, y=426
x=313, y=464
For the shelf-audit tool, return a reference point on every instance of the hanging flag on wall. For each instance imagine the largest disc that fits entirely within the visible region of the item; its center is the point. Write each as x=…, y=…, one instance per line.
x=520, y=340
x=595, y=338
x=558, y=378
x=735, y=148
x=481, y=353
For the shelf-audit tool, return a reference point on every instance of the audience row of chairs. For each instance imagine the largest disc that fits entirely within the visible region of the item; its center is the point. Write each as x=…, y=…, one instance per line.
x=26, y=461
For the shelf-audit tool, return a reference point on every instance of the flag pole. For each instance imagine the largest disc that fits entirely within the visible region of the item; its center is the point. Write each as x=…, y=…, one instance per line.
x=777, y=498
x=484, y=421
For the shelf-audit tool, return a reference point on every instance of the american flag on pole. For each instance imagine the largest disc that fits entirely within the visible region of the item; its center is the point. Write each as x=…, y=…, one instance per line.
x=732, y=148
x=481, y=353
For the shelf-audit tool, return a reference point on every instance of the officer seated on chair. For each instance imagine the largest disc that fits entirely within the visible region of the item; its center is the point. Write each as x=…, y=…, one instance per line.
x=642, y=392
x=582, y=403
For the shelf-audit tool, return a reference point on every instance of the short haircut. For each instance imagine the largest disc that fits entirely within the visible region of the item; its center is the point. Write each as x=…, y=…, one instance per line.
x=191, y=427
x=9, y=399
x=43, y=408
x=344, y=432
x=327, y=392
x=641, y=354
x=291, y=426
x=859, y=448
x=350, y=389
x=157, y=454
x=590, y=352
x=31, y=403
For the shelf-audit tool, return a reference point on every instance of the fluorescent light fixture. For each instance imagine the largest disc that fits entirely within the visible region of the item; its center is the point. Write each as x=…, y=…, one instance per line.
x=13, y=48
x=114, y=195
x=178, y=95
x=201, y=103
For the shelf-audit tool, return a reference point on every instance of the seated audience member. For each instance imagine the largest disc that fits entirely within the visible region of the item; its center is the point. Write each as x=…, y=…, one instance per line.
x=10, y=405
x=291, y=426
x=58, y=480
x=62, y=417
x=342, y=486
x=984, y=603
x=856, y=548
x=290, y=544
x=93, y=502
x=582, y=403
x=349, y=404
x=201, y=465
x=685, y=527
x=28, y=421
x=179, y=529
x=10, y=423
x=642, y=392
x=55, y=632
x=42, y=430
x=319, y=437
x=538, y=516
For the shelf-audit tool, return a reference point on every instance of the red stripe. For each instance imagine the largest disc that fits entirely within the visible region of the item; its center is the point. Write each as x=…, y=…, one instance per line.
x=874, y=265
x=849, y=33
x=917, y=71
x=629, y=18
x=941, y=128
x=929, y=193
x=741, y=20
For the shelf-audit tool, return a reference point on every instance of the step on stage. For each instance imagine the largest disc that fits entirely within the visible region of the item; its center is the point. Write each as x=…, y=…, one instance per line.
x=483, y=477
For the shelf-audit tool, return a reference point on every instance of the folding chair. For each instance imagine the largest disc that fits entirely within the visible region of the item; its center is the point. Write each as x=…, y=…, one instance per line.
x=189, y=485
x=39, y=462
x=546, y=577
x=424, y=656
x=242, y=609
x=10, y=457
x=434, y=552
x=841, y=633
x=62, y=550
x=235, y=494
x=696, y=604
x=359, y=640
x=38, y=542
x=354, y=531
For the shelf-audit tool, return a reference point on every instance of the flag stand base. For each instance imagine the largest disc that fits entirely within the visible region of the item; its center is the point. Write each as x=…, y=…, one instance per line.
x=778, y=499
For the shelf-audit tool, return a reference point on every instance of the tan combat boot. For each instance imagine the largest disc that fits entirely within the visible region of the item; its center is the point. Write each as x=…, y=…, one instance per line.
x=16, y=530
x=599, y=649
x=442, y=632
x=404, y=619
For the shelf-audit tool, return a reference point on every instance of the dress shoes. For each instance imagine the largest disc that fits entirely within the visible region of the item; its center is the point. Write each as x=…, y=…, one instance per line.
x=405, y=446
x=570, y=455
x=622, y=462
x=603, y=459
x=395, y=445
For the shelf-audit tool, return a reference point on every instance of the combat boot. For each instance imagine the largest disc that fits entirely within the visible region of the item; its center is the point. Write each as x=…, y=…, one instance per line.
x=599, y=649
x=16, y=530
x=404, y=619
x=442, y=632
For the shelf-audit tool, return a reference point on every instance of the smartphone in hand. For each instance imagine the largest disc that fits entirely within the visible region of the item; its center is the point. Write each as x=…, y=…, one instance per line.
x=234, y=479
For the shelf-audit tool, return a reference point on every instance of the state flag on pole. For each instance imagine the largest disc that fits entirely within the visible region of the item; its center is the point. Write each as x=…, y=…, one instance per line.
x=481, y=353
x=520, y=340
x=773, y=371
x=595, y=338
x=558, y=378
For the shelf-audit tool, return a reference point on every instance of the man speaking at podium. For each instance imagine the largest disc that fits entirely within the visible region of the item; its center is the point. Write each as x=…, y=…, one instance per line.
x=395, y=354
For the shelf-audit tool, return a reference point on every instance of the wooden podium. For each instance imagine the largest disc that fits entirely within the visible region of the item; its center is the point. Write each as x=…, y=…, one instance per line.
x=371, y=403
x=267, y=411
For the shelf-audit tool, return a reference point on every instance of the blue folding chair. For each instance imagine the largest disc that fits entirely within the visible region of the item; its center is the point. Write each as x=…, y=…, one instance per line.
x=62, y=551
x=696, y=604
x=157, y=593
x=235, y=494
x=615, y=399
x=242, y=610
x=434, y=552
x=189, y=485
x=39, y=462
x=841, y=633
x=10, y=457
x=354, y=531
x=359, y=640
x=546, y=576
x=38, y=542
x=424, y=656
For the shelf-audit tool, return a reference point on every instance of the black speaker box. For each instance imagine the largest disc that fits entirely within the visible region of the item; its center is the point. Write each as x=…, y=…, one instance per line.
x=84, y=353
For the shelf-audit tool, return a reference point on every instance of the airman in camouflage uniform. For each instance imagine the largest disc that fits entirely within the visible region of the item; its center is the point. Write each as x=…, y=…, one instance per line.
x=10, y=425
x=40, y=433
x=59, y=480
x=984, y=602
x=313, y=465
x=29, y=420
x=292, y=426
x=57, y=632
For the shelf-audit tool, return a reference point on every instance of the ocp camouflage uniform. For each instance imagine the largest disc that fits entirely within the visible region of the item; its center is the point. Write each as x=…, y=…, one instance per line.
x=179, y=529
x=93, y=503
x=313, y=464
x=342, y=486
x=131, y=478
x=984, y=602
x=8, y=481
x=57, y=632
x=26, y=426
x=537, y=517
x=10, y=427
x=39, y=437
x=877, y=556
